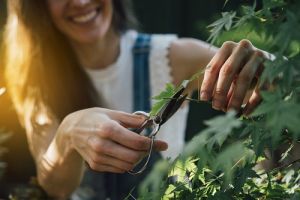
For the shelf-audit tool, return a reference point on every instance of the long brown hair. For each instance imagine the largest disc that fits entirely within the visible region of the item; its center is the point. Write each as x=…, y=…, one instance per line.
x=41, y=69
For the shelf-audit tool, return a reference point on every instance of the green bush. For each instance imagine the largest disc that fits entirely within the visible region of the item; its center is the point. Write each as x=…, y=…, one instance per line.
x=227, y=159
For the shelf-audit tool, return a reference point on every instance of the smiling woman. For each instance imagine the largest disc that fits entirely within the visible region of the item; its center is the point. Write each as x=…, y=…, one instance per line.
x=82, y=25
x=64, y=58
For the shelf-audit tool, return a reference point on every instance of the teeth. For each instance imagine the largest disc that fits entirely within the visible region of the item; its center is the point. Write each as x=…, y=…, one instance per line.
x=85, y=18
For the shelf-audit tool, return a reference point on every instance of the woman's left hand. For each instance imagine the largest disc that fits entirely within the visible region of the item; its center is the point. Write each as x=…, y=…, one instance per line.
x=229, y=76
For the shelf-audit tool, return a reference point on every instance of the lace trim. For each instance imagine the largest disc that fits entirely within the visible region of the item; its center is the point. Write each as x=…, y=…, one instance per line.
x=160, y=69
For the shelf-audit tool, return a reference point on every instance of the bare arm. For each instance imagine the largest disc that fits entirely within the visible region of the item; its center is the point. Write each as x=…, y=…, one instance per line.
x=98, y=136
x=228, y=71
x=187, y=56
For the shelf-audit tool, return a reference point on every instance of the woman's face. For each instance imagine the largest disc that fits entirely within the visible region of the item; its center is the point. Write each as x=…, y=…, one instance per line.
x=83, y=21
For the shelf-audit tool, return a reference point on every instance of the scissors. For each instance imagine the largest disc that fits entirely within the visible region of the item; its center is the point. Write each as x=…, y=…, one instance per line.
x=156, y=121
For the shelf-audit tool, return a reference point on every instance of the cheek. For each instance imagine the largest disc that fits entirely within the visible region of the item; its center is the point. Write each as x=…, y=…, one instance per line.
x=56, y=13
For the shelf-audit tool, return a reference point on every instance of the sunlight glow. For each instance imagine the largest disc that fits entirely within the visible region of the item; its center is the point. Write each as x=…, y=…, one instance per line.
x=2, y=91
x=42, y=119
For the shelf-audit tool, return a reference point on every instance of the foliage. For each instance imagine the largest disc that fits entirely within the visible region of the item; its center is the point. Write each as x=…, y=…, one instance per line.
x=226, y=160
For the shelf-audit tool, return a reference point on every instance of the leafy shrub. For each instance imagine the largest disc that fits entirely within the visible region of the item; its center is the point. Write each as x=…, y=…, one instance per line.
x=230, y=158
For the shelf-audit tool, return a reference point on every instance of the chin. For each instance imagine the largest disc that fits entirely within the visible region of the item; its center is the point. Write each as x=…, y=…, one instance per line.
x=88, y=25
x=89, y=37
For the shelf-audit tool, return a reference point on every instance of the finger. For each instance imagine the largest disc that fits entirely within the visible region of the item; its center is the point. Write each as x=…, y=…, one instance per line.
x=105, y=168
x=160, y=145
x=230, y=92
x=112, y=130
x=102, y=159
x=212, y=70
x=228, y=72
x=113, y=149
x=132, y=140
x=127, y=120
x=253, y=102
x=244, y=80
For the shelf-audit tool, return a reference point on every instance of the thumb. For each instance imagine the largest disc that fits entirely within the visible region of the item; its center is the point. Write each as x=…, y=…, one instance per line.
x=127, y=120
x=160, y=145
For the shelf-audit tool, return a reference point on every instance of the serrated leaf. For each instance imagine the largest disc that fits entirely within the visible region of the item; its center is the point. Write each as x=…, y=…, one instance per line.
x=221, y=127
x=162, y=98
x=218, y=26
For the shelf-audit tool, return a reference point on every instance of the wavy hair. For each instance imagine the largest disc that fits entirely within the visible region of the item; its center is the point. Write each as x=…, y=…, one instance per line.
x=41, y=69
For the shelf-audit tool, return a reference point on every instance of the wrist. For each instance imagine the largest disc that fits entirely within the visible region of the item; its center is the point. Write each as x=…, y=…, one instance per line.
x=64, y=140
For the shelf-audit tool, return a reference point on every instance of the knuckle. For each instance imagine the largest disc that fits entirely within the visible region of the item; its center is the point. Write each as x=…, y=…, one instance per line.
x=227, y=69
x=107, y=128
x=98, y=146
x=245, y=43
x=237, y=100
x=97, y=159
x=134, y=158
x=141, y=144
x=228, y=45
x=212, y=69
x=244, y=47
x=119, y=171
x=93, y=166
x=259, y=55
x=219, y=93
x=244, y=78
x=127, y=167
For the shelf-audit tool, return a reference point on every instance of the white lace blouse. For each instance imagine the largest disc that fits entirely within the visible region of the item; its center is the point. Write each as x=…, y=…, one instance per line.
x=114, y=83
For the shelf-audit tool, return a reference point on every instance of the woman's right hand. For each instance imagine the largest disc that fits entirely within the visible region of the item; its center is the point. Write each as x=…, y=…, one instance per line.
x=102, y=138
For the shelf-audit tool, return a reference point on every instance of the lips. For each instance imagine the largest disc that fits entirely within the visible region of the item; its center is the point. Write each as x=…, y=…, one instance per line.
x=86, y=17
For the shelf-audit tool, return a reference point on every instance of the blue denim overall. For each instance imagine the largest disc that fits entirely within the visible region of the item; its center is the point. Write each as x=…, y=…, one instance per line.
x=110, y=186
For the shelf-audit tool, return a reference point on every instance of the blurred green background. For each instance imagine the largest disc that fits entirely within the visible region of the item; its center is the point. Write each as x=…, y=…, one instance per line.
x=186, y=18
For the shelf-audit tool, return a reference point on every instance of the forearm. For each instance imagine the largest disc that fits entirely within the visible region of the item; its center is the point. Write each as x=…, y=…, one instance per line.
x=189, y=57
x=60, y=168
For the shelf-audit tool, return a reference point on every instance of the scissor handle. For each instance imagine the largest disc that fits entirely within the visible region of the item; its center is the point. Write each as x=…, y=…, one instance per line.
x=143, y=168
x=148, y=122
x=144, y=125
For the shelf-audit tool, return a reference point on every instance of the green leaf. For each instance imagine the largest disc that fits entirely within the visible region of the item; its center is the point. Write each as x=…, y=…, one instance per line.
x=153, y=181
x=218, y=26
x=162, y=98
x=221, y=127
x=230, y=158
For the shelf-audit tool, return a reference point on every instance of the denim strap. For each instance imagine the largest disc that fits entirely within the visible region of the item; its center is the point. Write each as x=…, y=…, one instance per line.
x=141, y=75
x=119, y=185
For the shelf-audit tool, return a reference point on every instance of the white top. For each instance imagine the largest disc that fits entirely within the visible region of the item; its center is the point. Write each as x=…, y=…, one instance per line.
x=114, y=83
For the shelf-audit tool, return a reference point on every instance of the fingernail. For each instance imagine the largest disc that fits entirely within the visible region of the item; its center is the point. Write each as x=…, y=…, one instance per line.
x=204, y=96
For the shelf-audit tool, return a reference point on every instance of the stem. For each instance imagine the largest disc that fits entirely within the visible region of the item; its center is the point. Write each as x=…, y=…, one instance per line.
x=281, y=167
x=189, y=99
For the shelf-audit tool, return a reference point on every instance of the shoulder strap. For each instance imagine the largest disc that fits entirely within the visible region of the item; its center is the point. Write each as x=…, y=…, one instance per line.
x=141, y=74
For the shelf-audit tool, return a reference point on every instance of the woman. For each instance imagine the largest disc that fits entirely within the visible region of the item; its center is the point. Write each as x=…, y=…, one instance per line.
x=69, y=67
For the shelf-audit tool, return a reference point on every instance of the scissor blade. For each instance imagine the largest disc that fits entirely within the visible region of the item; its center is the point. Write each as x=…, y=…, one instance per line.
x=177, y=105
x=164, y=114
x=147, y=123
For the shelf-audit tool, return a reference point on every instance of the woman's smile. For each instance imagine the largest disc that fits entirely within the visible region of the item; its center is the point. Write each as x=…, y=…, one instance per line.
x=86, y=16
x=83, y=22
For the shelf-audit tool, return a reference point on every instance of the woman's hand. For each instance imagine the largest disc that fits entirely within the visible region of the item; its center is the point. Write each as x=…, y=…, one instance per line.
x=229, y=76
x=103, y=140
